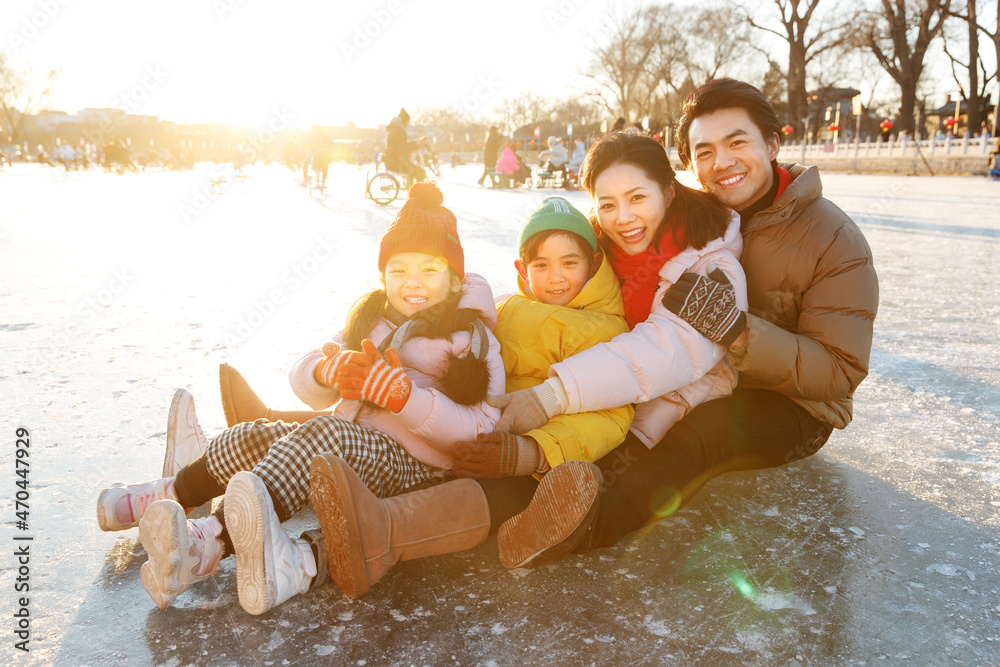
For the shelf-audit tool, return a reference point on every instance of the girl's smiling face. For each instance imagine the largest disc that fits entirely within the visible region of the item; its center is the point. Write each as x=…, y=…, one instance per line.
x=630, y=206
x=415, y=280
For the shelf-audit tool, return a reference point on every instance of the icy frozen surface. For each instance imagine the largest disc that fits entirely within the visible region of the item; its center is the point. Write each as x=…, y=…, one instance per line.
x=884, y=548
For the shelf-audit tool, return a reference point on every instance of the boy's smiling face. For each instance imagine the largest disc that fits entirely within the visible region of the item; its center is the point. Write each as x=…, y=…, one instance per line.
x=558, y=271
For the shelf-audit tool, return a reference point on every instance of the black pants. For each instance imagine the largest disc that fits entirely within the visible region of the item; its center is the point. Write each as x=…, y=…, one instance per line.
x=752, y=429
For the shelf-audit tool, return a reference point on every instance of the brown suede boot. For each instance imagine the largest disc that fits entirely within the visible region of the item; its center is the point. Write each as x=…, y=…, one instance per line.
x=558, y=518
x=241, y=404
x=365, y=536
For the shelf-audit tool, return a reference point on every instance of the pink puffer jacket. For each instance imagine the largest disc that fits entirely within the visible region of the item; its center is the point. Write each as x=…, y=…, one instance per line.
x=430, y=423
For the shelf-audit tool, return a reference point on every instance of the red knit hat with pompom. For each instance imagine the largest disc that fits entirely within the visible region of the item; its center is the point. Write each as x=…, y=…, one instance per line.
x=424, y=225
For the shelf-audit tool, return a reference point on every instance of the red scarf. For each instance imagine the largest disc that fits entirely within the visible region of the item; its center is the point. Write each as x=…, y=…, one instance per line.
x=640, y=274
x=784, y=180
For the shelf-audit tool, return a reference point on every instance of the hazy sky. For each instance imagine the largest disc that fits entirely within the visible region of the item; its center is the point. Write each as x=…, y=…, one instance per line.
x=251, y=61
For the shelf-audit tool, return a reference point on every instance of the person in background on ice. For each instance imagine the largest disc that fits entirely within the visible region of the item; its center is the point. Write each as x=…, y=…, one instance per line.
x=801, y=348
x=554, y=158
x=405, y=406
x=321, y=161
x=575, y=163
x=523, y=172
x=568, y=301
x=398, y=147
x=490, y=151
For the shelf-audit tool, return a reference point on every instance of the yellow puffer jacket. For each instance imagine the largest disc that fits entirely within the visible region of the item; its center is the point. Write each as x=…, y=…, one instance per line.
x=810, y=323
x=534, y=335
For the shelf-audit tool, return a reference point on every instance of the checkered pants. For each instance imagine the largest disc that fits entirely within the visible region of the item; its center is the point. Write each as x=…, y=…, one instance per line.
x=280, y=453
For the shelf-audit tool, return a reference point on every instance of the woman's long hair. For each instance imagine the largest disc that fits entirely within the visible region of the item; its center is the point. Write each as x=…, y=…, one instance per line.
x=703, y=216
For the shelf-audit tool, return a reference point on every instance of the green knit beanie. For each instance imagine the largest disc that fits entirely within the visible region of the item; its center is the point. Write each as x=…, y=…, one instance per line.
x=557, y=213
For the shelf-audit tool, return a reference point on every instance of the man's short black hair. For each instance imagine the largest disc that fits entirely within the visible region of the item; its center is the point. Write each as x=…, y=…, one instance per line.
x=726, y=94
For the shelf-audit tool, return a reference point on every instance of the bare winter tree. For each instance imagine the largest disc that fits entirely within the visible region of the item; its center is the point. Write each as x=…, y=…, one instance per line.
x=972, y=72
x=808, y=33
x=577, y=110
x=515, y=112
x=21, y=94
x=898, y=33
x=717, y=40
x=620, y=61
x=695, y=47
x=995, y=38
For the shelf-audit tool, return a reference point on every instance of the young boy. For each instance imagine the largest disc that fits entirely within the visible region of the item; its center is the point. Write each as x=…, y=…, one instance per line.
x=569, y=300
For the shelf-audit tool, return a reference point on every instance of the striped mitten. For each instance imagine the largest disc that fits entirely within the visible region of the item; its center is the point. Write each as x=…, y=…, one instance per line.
x=325, y=372
x=382, y=381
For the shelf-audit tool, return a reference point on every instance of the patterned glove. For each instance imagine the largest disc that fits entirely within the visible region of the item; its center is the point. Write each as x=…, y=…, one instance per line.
x=325, y=372
x=527, y=409
x=708, y=305
x=374, y=379
x=496, y=455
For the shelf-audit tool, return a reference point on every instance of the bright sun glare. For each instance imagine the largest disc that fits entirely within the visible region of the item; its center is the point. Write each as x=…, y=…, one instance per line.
x=243, y=61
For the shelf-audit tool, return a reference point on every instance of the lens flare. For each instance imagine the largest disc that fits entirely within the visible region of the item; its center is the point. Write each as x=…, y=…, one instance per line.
x=742, y=585
x=665, y=501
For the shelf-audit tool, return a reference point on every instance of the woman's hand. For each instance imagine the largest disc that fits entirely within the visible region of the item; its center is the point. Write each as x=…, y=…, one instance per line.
x=708, y=305
x=529, y=408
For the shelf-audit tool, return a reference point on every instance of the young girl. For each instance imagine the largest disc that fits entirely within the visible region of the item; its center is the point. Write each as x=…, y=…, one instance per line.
x=404, y=406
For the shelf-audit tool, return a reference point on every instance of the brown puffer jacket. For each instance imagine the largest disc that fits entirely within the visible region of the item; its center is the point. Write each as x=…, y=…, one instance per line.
x=813, y=296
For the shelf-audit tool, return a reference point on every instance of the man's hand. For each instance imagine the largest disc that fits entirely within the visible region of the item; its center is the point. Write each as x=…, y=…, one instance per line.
x=371, y=378
x=495, y=455
x=708, y=305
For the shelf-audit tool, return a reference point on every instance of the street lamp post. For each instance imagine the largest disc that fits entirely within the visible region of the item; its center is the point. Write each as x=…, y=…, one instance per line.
x=805, y=135
x=996, y=112
x=836, y=132
x=958, y=113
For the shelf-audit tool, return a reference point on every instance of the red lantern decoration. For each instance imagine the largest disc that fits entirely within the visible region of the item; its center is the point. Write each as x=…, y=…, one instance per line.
x=950, y=122
x=788, y=129
x=833, y=127
x=886, y=125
